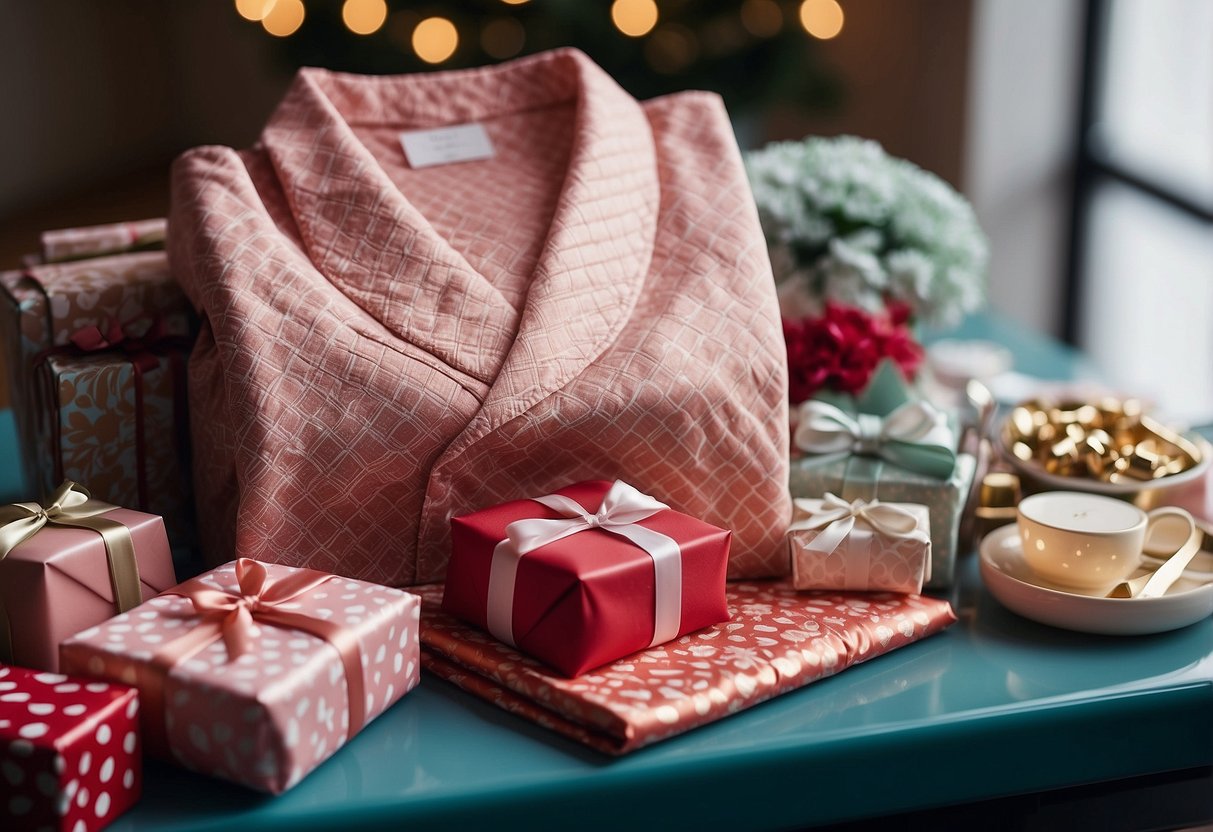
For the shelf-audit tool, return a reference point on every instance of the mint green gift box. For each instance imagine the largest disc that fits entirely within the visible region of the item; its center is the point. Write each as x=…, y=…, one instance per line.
x=933, y=480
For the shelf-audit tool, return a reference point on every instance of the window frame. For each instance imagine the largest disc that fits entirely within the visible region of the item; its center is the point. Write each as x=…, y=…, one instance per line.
x=1093, y=167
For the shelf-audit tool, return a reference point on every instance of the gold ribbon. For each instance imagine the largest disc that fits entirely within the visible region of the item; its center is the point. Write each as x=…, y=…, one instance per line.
x=71, y=505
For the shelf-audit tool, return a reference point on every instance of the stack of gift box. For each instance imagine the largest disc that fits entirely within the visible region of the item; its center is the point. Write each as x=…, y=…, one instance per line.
x=597, y=610
x=585, y=603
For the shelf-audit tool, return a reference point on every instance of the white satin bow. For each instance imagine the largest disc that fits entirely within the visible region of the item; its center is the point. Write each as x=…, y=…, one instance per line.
x=916, y=435
x=836, y=518
x=622, y=509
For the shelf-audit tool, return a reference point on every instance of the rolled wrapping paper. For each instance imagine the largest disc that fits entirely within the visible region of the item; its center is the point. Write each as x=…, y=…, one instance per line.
x=98, y=240
x=71, y=505
x=621, y=510
x=859, y=545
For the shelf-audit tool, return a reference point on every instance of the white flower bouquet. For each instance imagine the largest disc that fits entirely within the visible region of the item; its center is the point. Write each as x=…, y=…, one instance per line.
x=847, y=223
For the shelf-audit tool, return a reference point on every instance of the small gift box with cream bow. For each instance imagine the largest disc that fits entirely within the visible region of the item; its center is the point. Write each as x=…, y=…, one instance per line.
x=859, y=545
x=587, y=575
x=257, y=673
x=70, y=563
x=886, y=445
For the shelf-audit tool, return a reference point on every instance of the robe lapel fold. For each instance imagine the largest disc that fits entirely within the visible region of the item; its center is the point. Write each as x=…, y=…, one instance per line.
x=367, y=239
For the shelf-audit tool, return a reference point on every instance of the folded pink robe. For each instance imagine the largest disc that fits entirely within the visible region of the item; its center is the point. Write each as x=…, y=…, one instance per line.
x=385, y=345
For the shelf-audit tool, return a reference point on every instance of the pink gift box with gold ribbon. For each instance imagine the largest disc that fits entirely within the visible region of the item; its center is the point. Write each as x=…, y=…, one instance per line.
x=59, y=574
x=258, y=673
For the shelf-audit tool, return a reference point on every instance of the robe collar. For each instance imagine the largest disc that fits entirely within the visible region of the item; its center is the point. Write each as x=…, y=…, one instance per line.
x=362, y=233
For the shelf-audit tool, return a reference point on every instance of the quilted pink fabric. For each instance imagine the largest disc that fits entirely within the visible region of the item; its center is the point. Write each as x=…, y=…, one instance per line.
x=383, y=346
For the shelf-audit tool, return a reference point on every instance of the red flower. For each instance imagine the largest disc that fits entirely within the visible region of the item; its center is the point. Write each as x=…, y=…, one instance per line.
x=840, y=350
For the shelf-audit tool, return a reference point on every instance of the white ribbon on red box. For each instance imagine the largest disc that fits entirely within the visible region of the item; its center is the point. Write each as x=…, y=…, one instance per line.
x=621, y=511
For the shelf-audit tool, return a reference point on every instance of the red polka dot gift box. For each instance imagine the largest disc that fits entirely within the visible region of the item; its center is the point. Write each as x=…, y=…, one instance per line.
x=257, y=673
x=69, y=751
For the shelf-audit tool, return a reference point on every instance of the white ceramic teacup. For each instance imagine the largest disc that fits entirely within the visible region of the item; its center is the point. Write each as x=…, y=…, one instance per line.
x=1080, y=540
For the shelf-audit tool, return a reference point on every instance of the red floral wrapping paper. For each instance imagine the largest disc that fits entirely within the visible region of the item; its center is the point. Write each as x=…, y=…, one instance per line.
x=777, y=640
x=589, y=598
x=41, y=308
x=57, y=583
x=70, y=751
x=97, y=240
x=269, y=716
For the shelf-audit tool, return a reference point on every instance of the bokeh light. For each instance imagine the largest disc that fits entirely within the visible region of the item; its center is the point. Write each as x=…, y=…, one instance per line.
x=284, y=18
x=364, y=17
x=821, y=18
x=635, y=18
x=435, y=39
x=254, y=10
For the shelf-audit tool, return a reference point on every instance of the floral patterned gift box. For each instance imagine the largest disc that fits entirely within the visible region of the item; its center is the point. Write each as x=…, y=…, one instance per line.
x=61, y=324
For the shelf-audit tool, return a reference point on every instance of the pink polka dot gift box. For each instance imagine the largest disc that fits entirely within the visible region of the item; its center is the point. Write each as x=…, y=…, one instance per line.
x=257, y=673
x=69, y=751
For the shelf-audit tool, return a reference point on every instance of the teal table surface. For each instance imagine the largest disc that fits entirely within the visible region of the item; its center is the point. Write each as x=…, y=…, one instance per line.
x=994, y=706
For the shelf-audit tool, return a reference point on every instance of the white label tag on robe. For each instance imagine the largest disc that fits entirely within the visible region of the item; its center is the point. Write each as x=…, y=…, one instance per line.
x=461, y=143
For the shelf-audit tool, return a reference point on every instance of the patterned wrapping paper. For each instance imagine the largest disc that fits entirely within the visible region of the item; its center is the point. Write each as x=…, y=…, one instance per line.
x=777, y=640
x=866, y=478
x=269, y=717
x=95, y=409
x=890, y=563
x=98, y=240
x=42, y=308
x=70, y=751
x=57, y=583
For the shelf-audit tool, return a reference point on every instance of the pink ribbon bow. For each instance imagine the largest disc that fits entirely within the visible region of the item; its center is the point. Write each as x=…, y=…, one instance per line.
x=234, y=618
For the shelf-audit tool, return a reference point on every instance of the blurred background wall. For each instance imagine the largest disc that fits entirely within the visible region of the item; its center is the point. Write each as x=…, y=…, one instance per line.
x=97, y=98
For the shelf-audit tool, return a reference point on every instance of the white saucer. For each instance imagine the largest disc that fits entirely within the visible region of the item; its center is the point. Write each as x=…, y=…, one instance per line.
x=1011, y=581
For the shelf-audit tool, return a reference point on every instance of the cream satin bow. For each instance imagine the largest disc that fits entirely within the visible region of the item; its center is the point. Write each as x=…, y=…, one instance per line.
x=915, y=436
x=622, y=509
x=836, y=518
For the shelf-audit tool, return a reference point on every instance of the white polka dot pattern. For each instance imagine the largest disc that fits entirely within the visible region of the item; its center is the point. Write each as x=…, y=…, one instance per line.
x=59, y=768
x=284, y=702
x=776, y=640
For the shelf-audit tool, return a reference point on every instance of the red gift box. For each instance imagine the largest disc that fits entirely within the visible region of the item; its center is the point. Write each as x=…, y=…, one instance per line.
x=70, y=754
x=622, y=572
